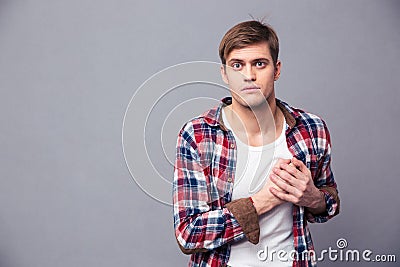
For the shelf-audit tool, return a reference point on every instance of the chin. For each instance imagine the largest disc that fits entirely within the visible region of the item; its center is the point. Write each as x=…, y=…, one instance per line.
x=253, y=102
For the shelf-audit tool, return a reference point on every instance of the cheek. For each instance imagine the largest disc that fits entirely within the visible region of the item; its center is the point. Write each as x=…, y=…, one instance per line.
x=234, y=78
x=268, y=77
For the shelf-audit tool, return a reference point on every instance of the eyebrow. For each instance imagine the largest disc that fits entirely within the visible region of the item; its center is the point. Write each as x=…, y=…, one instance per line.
x=252, y=61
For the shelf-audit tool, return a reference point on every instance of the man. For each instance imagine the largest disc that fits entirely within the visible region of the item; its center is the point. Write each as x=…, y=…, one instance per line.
x=251, y=172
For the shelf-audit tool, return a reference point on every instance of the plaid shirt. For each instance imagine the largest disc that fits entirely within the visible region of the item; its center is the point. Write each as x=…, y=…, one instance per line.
x=204, y=177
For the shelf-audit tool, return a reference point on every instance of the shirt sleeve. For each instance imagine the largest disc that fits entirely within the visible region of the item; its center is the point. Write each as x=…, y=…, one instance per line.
x=325, y=181
x=198, y=226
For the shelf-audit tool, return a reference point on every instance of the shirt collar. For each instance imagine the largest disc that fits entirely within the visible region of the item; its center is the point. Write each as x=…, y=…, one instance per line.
x=213, y=117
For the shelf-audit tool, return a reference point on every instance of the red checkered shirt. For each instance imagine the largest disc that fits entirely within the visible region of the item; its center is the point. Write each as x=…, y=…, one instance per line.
x=204, y=176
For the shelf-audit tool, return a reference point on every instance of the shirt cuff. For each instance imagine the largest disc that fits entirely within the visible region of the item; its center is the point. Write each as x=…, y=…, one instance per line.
x=246, y=214
x=332, y=206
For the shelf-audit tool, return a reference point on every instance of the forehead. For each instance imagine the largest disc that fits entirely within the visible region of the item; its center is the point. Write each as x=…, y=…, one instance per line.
x=258, y=50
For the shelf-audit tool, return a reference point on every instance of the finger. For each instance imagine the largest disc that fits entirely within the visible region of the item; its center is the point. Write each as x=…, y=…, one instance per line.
x=299, y=164
x=284, y=175
x=285, y=186
x=274, y=185
x=291, y=168
x=281, y=160
x=283, y=196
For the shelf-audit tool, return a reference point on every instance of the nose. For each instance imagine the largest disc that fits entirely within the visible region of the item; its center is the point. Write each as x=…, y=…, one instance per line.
x=249, y=74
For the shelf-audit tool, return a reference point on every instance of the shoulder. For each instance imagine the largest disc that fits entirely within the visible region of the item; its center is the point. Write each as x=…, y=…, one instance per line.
x=309, y=125
x=310, y=119
x=208, y=120
x=304, y=117
x=200, y=125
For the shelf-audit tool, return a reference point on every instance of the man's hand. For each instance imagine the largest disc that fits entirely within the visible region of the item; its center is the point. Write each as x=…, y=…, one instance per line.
x=296, y=186
x=264, y=200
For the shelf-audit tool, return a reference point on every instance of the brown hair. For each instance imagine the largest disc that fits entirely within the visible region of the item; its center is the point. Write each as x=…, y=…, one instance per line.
x=248, y=33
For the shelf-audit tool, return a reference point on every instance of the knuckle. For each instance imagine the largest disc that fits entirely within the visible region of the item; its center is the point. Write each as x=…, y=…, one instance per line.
x=284, y=186
x=289, y=168
x=303, y=188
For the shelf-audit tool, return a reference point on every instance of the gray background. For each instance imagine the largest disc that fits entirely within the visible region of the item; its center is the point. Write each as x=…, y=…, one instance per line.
x=69, y=68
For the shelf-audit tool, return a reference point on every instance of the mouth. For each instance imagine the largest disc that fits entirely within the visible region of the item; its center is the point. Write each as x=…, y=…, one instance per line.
x=250, y=88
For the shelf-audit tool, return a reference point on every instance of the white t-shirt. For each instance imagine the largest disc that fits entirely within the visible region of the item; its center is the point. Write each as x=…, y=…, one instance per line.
x=253, y=166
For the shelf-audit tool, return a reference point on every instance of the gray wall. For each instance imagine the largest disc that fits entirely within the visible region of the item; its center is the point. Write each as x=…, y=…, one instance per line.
x=68, y=70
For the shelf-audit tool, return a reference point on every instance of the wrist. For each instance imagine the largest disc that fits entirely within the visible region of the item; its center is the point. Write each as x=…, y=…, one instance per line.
x=318, y=205
x=256, y=203
x=261, y=205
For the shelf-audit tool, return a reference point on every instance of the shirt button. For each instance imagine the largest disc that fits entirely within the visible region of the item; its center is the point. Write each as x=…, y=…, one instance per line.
x=232, y=145
x=230, y=180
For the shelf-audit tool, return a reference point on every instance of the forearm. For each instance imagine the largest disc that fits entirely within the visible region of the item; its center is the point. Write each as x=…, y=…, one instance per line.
x=318, y=205
x=200, y=232
x=211, y=229
x=263, y=204
x=332, y=206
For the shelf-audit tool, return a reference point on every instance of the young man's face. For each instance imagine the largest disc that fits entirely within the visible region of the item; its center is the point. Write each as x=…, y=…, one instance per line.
x=250, y=74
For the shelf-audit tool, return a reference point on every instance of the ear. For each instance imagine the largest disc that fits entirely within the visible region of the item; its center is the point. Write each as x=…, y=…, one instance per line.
x=223, y=74
x=277, y=72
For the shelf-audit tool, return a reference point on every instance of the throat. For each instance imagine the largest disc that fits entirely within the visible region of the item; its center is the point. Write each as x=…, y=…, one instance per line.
x=255, y=128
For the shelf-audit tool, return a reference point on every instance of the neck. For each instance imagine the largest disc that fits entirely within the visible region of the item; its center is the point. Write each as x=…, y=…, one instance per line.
x=259, y=120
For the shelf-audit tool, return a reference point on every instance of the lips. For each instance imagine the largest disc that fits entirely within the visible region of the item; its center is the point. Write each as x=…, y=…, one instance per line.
x=250, y=88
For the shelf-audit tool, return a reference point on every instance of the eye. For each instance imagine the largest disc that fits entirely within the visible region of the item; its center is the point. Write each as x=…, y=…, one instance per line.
x=260, y=64
x=236, y=65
